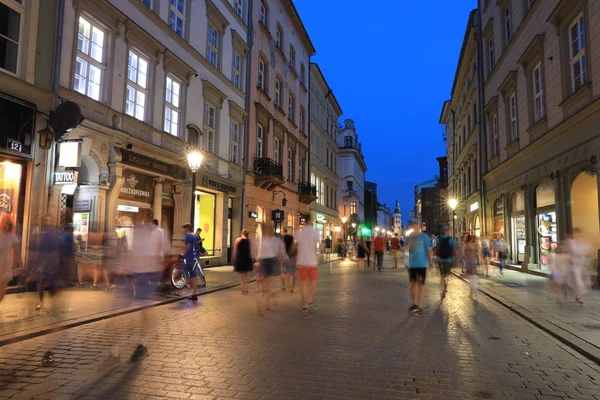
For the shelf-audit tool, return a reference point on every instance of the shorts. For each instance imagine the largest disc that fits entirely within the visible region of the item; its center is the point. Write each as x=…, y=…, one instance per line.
x=395, y=253
x=486, y=253
x=289, y=266
x=308, y=273
x=268, y=267
x=445, y=267
x=417, y=274
x=188, y=266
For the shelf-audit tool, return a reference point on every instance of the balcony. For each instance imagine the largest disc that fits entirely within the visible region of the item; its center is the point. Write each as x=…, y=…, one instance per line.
x=307, y=192
x=348, y=193
x=268, y=173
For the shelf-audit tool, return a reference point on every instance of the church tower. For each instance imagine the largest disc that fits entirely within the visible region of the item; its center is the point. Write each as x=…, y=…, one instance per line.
x=397, y=219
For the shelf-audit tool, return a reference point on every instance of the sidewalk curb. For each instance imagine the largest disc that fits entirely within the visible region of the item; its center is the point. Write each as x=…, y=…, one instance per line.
x=17, y=337
x=576, y=343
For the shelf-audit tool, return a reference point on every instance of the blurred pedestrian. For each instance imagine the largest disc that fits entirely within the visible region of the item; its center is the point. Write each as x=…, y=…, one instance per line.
x=288, y=280
x=271, y=253
x=395, y=243
x=190, y=258
x=445, y=253
x=579, y=255
x=308, y=266
x=242, y=259
x=361, y=253
x=379, y=247
x=10, y=254
x=328, y=247
x=559, y=276
x=472, y=255
x=502, y=250
x=369, y=246
x=420, y=255
x=67, y=250
x=486, y=251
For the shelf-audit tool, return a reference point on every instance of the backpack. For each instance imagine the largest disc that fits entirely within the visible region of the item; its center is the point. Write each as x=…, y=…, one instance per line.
x=444, y=248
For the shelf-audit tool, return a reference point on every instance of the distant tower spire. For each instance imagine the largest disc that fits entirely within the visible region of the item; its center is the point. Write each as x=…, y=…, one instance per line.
x=397, y=209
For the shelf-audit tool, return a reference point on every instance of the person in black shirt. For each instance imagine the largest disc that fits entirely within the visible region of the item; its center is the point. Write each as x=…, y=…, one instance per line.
x=288, y=276
x=328, y=247
x=368, y=243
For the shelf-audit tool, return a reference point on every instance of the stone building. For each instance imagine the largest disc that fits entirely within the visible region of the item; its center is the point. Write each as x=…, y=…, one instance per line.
x=352, y=168
x=397, y=222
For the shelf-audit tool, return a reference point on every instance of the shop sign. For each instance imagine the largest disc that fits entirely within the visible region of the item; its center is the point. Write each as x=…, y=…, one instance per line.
x=82, y=205
x=337, y=228
x=14, y=145
x=65, y=177
x=277, y=215
x=141, y=161
x=302, y=221
x=517, y=202
x=498, y=208
x=220, y=186
x=252, y=214
x=544, y=194
x=69, y=154
x=321, y=218
x=137, y=186
x=122, y=207
x=319, y=226
x=474, y=206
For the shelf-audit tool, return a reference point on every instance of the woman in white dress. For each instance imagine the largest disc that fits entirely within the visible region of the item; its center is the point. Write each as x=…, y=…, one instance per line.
x=9, y=254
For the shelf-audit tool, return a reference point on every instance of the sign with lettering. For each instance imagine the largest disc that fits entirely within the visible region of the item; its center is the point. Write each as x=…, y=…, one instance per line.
x=65, y=177
x=544, y=194
x=125, y=208
x=82, y=205
x=277, y=215
x=252, y=214
x=474, y=206
x=14, y=145
x=498, y=208
x=220, y=186
x=302, y=220
x=320, y=218
x=137, y=186
x=141, y=161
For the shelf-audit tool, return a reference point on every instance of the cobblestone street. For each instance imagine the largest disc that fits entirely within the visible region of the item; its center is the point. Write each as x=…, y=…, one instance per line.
x=361, y=343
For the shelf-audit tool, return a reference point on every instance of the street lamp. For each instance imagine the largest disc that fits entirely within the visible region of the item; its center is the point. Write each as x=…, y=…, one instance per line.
x=377, y=230
x=453, y=203
x=353, y=231
x=194, y=161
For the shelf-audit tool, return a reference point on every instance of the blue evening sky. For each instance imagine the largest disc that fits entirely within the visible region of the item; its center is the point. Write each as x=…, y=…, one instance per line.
x=391, y=65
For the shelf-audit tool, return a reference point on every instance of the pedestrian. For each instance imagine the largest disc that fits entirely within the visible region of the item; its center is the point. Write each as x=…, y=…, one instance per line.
x=395, y=244
x=369, y=246
x=420, y=254
x=271, y=252
x=472, y=255
x=308, y=267
x=378, y=247
x=242, y=259
x=361, y=253
x=201, y=251
x=559, y=277
x=486, y=253
x=388, y=247
x=10, y=254
x=190, y=258
x=502, y=250
x=66, y=250
x=328, y=247
x=579, y=253
x=445, y=253
x=288, y=276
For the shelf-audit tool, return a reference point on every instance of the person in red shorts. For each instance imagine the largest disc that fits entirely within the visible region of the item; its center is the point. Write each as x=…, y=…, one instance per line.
x=307, y=240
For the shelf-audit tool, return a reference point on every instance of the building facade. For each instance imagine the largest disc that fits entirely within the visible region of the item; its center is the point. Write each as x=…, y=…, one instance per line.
x=370, y=220
x=384, y=217
x=461, y=117
x=277, y=155
x=325, y=112
x=397, y=220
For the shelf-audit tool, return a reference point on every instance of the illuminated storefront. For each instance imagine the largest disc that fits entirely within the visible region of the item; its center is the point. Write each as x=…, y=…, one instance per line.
x=546, y=224
x=518, y=233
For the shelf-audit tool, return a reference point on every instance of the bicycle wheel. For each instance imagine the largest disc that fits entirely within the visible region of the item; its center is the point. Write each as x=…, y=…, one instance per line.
x=201, y=277
x=178, y=276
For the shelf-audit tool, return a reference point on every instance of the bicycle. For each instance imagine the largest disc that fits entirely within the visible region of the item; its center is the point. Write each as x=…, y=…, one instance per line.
x=179, y=275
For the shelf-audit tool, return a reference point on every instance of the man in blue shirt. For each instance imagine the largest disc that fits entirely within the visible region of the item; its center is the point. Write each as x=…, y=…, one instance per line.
x=445, y=254
x=190, y=256
x=420, y=254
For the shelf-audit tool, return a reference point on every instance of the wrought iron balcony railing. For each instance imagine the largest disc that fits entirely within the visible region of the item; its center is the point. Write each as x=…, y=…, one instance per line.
x=307, y=188
x=268, y=167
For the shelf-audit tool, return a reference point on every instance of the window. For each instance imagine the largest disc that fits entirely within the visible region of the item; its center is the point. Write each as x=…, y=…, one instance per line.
x=260, y=131
x=301, y=169
x=239, y=8
x=491, y=57
x=322, y=193
x=212, y=49
x=577, y=53
x=10, y=26
x=495, y=136
x=264, y=14
x=236, y=70
x=262, y=75
x=290, y=174
x=352, y=207
x=291, y=106
x=302, y=72
x=234, y=145
x=348, y=141
x=137, y=85
x=278, y=86
x=512, y=106
x=507, y=25
x=279, y=37
x=177, y=16
x=89, y=61
x=277, y=151
x=292, y=57
x=301, y=122
x=350, y=185
x=210, y=128
x=147, y=2
x=538, y=93
x=172, y=106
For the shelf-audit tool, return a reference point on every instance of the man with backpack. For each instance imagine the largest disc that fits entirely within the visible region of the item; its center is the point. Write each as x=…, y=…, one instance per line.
x=445, y=252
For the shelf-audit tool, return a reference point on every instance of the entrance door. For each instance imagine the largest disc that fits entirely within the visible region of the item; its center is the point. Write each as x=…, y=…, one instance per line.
x=584, y=209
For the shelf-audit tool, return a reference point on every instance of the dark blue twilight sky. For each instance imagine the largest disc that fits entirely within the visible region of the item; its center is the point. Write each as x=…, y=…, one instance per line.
x=391, y=65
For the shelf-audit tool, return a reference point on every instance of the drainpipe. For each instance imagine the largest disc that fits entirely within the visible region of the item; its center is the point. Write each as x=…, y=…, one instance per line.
x=482, y=125
x=249, y=41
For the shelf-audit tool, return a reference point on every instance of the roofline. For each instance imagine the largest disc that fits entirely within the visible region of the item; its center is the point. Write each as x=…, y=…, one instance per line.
x=445, y=108
x=462, y=49
x=328, y=87
x=313, y=51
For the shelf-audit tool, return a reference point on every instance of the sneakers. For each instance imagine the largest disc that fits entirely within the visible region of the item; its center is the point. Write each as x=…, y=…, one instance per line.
x=139, y=353
x=194, y=297
x=413, y=308
x=48, y=358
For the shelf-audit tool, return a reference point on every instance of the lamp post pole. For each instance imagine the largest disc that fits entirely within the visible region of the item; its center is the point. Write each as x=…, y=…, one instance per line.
x=453, y=203
x=193, y=205
x=194, y=162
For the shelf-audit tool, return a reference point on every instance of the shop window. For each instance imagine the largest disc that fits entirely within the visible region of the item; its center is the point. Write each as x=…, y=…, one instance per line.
x=10, y=185
x=546, y=224
x=204, y=218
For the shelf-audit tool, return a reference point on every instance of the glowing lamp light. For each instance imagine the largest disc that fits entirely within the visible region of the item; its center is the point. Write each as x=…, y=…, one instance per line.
x=344, y=219
x=195, y=160
x=453, y=203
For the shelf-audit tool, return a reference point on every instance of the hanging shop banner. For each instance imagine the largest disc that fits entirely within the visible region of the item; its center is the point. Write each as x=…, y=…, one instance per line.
x=252, y=214
x=138, y=187
x=517, y=202
x=65, y=178
x=302, y=220
x=544, y=194
x=277, y=215
x=145, y=162
x=82, y=205
x=498, y=208
x=321, y=218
